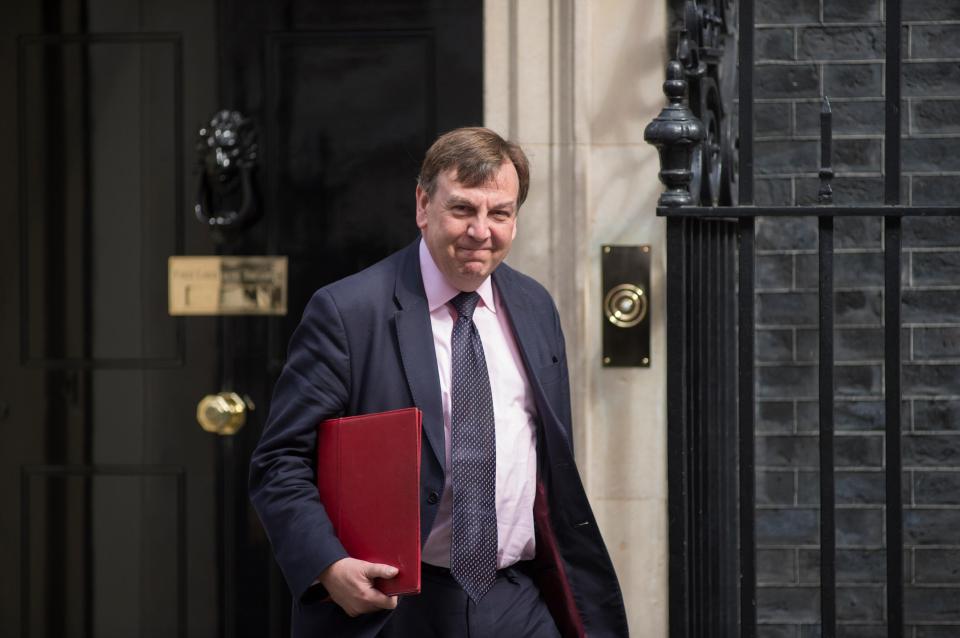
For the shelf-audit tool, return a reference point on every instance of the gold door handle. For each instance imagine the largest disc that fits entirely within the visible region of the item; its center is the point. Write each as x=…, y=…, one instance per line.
x=223, y=413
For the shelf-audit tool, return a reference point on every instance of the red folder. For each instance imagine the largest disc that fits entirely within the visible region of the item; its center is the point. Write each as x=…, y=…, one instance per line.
x=368, y=476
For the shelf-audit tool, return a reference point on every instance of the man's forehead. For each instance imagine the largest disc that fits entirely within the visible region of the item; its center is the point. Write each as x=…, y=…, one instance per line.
x=500, y=180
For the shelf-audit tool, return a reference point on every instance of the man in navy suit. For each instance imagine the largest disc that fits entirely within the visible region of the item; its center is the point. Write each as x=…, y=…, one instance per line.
x=386, y=338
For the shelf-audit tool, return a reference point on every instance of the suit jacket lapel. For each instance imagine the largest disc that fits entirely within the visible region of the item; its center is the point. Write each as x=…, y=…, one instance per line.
x=524, y=324
x=520, y=318
x=415, y=338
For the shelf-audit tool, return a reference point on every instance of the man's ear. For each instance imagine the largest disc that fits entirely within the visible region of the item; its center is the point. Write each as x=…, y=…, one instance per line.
x=423, y=198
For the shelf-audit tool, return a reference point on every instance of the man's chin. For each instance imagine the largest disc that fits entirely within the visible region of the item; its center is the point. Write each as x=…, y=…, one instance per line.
x=469, y=278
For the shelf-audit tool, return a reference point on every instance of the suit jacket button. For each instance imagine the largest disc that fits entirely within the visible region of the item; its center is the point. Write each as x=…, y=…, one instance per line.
x=432, y=498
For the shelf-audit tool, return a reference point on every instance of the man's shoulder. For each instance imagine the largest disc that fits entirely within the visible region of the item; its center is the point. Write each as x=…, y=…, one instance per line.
x=372, y=285
x=507, y=276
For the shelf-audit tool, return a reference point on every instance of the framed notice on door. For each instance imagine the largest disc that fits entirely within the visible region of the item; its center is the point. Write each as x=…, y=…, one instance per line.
x=234, y=285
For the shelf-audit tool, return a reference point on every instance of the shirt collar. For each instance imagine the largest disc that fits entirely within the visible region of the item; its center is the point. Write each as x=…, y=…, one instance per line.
x=438, y=289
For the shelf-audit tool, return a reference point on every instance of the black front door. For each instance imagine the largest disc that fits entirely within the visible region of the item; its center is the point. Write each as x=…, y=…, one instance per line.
x=119, y=516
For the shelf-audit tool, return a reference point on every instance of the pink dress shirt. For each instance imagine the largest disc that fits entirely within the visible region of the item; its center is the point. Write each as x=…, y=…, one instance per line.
x=514, y=411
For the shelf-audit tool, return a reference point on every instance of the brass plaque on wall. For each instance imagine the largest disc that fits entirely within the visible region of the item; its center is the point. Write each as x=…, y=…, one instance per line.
x=234, y=285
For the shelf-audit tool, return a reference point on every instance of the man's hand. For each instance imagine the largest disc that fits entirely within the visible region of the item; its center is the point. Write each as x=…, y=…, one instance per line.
x=350, y=584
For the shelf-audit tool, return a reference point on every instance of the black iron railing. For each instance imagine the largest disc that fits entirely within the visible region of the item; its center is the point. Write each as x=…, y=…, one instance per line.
x=710, y=382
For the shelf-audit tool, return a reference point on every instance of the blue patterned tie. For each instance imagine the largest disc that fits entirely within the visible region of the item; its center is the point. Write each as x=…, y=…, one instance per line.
x=473, y=457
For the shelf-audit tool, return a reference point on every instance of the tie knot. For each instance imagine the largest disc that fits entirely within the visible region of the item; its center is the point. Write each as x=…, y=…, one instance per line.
x=465, y=303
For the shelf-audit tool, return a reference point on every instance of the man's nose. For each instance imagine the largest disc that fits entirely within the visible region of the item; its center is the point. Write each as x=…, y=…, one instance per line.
x=479, y=228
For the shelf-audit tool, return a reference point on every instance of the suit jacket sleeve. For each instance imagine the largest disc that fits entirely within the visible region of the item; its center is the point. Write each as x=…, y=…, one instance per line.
x=313, y=386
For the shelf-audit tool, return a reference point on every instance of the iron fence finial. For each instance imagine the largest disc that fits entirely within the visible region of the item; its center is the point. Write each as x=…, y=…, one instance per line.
x=676, y=132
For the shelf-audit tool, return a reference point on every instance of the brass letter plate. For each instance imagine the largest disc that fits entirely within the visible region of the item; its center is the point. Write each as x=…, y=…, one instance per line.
x=234, y=285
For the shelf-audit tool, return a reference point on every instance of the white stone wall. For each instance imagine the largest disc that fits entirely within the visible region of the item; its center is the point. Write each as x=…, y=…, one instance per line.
x=575, y=82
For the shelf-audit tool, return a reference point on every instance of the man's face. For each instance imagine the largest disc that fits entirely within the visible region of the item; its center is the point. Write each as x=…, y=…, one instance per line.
x=469, y=230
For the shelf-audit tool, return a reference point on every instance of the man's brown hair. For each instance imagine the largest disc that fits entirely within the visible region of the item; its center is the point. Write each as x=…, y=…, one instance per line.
x=477, y=154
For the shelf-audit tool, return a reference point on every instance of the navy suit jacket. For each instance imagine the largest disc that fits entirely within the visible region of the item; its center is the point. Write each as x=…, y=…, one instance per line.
x=365, y=345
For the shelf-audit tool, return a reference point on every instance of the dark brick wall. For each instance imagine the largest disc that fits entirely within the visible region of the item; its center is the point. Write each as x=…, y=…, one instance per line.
x=806, y=49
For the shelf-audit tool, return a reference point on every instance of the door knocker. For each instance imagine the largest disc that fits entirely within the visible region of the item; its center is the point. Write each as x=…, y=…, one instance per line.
x=227, y=154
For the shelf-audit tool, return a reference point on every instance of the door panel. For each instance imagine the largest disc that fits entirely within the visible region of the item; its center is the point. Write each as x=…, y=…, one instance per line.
x=119, y=516
x=105, y=470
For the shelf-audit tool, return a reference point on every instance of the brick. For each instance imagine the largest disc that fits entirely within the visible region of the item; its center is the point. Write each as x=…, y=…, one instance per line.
x=791, y=308
x=936, y=488
x=786, y=80
x=851, y=10
x=774, y=345
x=933, y=268
x=853, y=565
x=862, y=631
x=776, y=566
x=934, y=378
x=937, y=566
x=776, y=631
x=786, y=451
x=772, y=118
x=787, y=381
x=840, y=43
x=775, y=416
x=858, y=451
x=862, y=604
x=848, y=117
x=930, y=604
x=859, y=232
x=808, y=416
x=788, y=604
x=858, y=307
x=774, y=271
x=773, y=44
x=936, y=343
x=846, y=190
x=930, y=10
x=935, y=41
x=928, y=232
x=858, y=344
x=773, y=191
x=787, y=11
x=928, y=79
x=785, y=233
x=808, y=345
x=930, y=154
x=931, y=526
x=850, y=488
x=934, y=190
x=859, y=527
x=808, y=271
x=791, y=156
x=787, y=527
x=930, y=306
x=853, y=80
x=858, y=416
x=936, y=415
x=857, y=380
x=858, y=269
x=935, y=116
x=925, y=450
x=857, y=155
x=775, y=487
